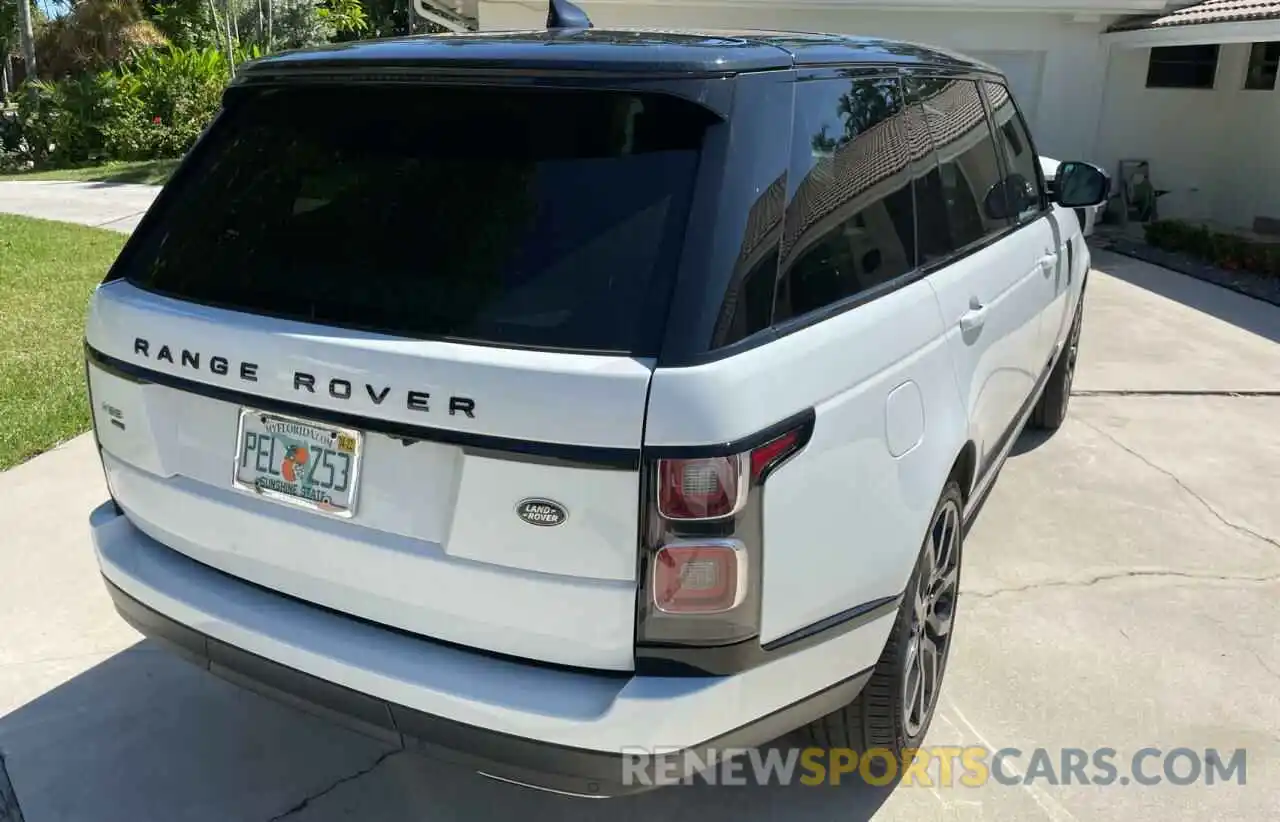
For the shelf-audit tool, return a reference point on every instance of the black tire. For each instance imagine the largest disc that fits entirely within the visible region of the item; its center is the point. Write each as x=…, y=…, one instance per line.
x=1051, y=409
x=877, y=720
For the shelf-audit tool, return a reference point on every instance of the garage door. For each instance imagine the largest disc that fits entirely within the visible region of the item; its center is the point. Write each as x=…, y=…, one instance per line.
x=1025, y=69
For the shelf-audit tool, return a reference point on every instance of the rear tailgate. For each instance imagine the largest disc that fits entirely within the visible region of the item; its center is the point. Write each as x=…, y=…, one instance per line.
x=396, y=364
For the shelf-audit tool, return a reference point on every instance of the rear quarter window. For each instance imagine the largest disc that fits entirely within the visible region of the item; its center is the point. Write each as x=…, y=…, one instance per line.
x=849, y=224
x=528, y=218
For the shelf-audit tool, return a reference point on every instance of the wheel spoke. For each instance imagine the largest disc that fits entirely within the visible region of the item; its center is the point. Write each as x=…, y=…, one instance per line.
x=944, y=552
x=941, y=617
x=920, y=705
x=912, y=684
x=929, y=662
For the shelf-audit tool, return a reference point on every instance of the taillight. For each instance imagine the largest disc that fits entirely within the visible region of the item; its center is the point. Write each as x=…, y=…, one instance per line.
x=701, y=489
x=700, y=576
x=703, y=535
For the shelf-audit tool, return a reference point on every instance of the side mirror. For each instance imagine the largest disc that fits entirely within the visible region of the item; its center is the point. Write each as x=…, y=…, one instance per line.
x=1082, y=185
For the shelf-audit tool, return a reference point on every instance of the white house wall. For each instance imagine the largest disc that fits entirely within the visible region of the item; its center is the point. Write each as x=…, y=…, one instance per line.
x=1214, y=151
x=1068, y=55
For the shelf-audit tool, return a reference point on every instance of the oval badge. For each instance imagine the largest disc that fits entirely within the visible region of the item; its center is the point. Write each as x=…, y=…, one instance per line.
x=542, y=512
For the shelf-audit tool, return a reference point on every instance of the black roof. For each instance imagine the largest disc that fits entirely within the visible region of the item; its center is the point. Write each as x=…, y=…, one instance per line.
x=618, y=50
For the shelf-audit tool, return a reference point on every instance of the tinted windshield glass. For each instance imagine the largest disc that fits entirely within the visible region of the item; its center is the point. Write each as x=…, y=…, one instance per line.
x=513, y=217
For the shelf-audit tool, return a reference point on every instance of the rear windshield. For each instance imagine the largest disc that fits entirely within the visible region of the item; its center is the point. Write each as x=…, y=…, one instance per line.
x=547, y=219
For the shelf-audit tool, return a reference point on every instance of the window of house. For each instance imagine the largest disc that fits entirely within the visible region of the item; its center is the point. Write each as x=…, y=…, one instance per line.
x=1264, y=64
x=1182, y=67
x=960, y=201
x=849, y=224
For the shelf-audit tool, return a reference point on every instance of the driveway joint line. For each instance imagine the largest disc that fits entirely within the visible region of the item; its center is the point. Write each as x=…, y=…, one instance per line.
x=1214, y=511
x=130, y=215
x=1175, y=393
x=310, y=798
x=1264, y=664
x=1127, y=573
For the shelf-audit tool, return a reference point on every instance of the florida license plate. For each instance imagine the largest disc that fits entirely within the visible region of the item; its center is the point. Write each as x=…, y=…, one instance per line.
x=297, y=461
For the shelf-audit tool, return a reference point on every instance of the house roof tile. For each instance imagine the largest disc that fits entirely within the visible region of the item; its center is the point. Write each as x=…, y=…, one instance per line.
x=1208, y=11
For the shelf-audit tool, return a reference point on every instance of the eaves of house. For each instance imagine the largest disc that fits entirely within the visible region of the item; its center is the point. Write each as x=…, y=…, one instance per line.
x=1209, y=21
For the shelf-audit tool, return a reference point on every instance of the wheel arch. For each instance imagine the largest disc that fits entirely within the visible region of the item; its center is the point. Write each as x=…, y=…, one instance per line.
x=964, y=469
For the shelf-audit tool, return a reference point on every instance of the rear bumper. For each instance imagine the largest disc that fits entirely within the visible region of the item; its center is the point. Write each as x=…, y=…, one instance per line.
x=564, y=730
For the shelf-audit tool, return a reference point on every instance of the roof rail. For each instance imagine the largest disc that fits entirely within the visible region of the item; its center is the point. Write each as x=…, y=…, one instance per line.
x=561, y=14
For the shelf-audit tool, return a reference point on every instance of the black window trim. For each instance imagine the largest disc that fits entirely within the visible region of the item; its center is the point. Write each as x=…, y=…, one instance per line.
x=777, y=331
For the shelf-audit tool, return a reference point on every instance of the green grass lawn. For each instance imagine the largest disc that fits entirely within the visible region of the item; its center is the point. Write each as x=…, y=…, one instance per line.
x=47, y=272
x=151, y=172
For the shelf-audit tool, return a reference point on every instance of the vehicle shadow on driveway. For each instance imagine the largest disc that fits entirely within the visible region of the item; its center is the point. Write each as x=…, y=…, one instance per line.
x=1029, y=440
x=145, y=736
x=1244, y=312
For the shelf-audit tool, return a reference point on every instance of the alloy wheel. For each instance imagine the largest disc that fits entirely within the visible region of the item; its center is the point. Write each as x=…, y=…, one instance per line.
x=932, y=617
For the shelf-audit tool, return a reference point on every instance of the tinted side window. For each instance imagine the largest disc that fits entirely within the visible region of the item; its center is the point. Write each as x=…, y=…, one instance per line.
x=849, y=224
x=1022, y=183
x=968, y=176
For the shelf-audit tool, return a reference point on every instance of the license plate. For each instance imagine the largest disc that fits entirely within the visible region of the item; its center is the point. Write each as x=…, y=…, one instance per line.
x=297, y=461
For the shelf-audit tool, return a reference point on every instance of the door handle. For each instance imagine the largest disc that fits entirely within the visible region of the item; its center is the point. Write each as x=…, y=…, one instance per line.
x=975, y=317
x=1048, y=263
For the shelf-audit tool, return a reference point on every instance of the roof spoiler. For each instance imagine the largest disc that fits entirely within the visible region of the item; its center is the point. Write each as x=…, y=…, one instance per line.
x=561, y=14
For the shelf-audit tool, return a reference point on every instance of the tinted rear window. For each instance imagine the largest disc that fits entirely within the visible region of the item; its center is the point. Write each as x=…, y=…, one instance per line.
x=546, y=219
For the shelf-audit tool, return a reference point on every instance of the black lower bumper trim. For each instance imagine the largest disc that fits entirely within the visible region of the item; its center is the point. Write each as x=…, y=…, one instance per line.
x=542, y=765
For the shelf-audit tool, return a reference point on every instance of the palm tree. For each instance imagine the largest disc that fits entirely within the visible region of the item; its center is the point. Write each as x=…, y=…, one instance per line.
x=27, y=32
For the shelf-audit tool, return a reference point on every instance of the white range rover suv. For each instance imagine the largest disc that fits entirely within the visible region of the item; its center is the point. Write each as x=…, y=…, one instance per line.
x=535, y=406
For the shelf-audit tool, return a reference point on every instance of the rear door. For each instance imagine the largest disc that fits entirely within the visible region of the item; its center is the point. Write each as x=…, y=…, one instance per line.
x=1035, y=219
x=387, y=349
x=987, y=276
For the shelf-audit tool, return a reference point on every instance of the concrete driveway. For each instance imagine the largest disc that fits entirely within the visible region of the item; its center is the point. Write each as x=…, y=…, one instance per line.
x=1122, y=590
x=117, y=206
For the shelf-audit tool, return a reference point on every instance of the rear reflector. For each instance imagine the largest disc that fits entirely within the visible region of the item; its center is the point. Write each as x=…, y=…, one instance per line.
x=704, y=577
x=771, y=453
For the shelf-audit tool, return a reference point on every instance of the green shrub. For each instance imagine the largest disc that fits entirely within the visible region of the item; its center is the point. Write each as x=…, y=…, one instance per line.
x=1226, y=250
x=153, y=106
x=164, y=99
x=62, y=121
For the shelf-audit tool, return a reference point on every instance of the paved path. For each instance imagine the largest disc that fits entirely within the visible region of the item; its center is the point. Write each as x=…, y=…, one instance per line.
x=117, y=206
x=1122, y=589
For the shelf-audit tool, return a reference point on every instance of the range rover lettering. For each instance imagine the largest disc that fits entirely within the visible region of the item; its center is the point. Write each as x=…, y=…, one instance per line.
x=708, y=347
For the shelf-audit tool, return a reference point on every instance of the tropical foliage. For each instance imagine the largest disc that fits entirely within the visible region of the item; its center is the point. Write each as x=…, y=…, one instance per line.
x=95, y=34
x=140, y=79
